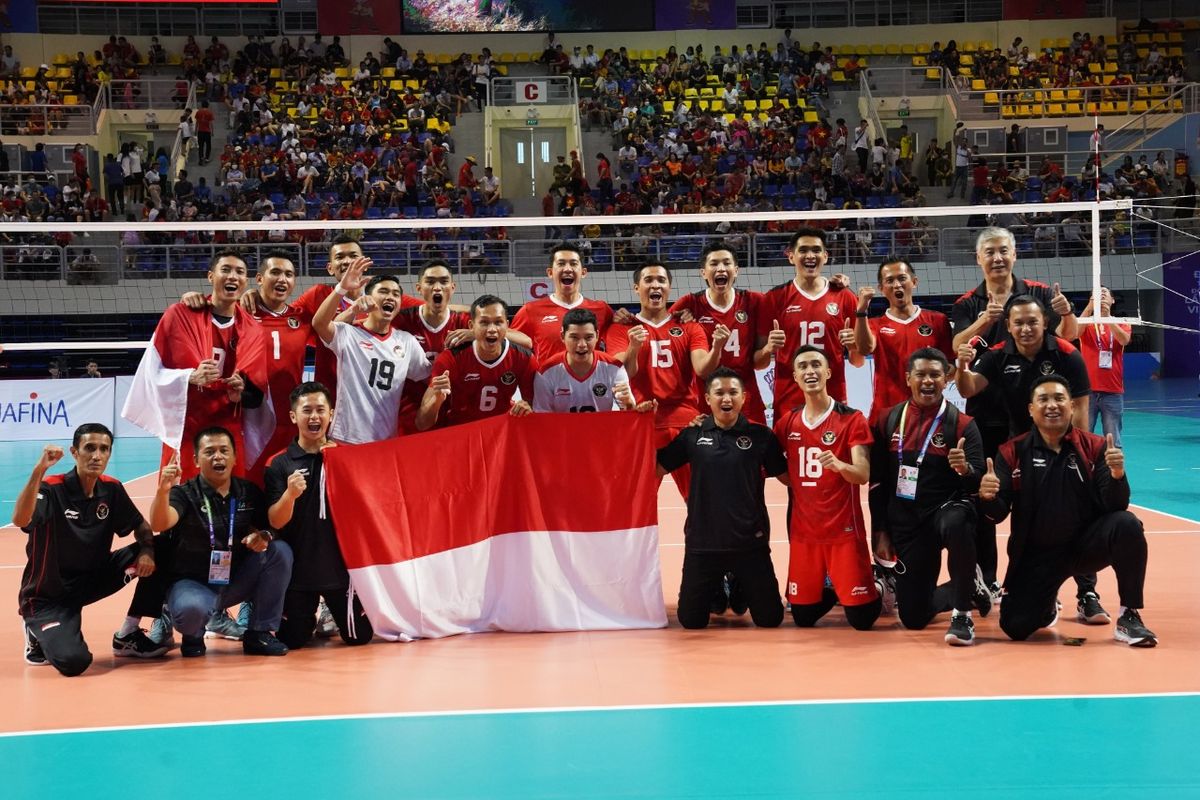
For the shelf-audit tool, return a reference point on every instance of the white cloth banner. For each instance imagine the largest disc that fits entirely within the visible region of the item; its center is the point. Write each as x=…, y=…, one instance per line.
x=42, y=410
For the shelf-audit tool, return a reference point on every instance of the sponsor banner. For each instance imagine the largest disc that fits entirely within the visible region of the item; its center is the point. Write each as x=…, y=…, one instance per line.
x=52, y=409
x=1181, y=308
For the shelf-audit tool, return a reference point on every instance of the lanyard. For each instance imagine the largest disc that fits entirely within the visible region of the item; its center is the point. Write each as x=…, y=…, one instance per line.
x=1100, y=336
x=928, y=436
x=212, y=534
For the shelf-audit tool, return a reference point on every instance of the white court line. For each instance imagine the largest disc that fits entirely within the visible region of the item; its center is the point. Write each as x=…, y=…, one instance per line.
x=1166, y=514
x=477, y=712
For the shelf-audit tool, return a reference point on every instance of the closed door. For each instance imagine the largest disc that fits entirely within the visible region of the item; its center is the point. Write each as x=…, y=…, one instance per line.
x=527, y=159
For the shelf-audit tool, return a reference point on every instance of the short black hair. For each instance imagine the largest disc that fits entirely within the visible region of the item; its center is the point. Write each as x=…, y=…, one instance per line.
x=929, y=354
x=1053, y=377
x=893, y=259
x=90, y=427
x=344, y=238
x=816, y=233
x=809, y=348
x=722, y=372
x=579, y=316
x=565, y=245
x=637, y=275
x=485, y=300
x=434, y=262
x=1025, y=300
x=716, y=247
x=309, y=387
x=228, y=252
x=276, y=253
x=378, y=279
x=212, y=430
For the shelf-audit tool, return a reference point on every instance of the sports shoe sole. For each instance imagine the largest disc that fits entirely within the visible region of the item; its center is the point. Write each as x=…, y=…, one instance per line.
x=1095, y=619
x=34, y=663
x=1134, y=641
x=129, y=652
x=955, y=641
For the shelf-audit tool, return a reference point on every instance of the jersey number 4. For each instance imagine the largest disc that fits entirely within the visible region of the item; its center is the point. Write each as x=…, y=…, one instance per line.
x=381, y=375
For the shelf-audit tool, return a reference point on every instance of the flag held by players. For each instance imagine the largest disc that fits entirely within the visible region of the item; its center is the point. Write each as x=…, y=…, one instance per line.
x=540, y=523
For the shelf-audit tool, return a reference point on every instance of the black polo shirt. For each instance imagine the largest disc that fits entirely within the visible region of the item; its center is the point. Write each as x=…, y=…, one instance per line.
x=71, y=534
x=727, y=511
x=1013, y=375
x=318, y=562
x=988, y=408
x=190, y=550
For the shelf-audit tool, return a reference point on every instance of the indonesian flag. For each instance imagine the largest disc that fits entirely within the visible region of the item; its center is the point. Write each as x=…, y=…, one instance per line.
x=547, y=522
x=158, y=395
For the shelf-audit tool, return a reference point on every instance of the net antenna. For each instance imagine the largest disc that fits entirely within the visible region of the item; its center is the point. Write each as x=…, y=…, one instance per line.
x=1144, y=211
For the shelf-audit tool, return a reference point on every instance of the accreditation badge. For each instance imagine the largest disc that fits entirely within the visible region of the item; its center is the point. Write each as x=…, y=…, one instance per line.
x=906, y=483
x=220, y=564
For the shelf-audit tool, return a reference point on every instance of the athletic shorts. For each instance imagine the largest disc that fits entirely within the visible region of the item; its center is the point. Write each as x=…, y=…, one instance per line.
x=683, y=475
x=846, y=562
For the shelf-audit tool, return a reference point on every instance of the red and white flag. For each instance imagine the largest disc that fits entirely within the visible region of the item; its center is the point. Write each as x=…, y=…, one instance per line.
x=547, y=522
x=158, y=396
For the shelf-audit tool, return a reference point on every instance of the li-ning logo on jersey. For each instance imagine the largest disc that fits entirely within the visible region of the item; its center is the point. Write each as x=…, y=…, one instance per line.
x=293, y=323
x=828, y=438
x=366, y=345
x=706, y=319
x=471, y=376
x=793, y=436
x=599, y=390
x=741, y=316
x=925, y=330
x=744, y=442
x=71, y=513
x=793, y=310
x=704, y=440
x=549, y=318
x=1012, y=369
x=508, y=379
x=675, y=330
x=1046, y=367
x=102, y=511
x=562, y=391
x=831, y=309
x=858, y=591
x=888, y=331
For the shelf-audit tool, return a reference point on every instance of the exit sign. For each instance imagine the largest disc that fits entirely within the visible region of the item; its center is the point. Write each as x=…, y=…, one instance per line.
x=532, y=123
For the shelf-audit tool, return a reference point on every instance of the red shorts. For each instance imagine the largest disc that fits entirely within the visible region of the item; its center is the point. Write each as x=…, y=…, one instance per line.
x=846, y=562
x=683, y=475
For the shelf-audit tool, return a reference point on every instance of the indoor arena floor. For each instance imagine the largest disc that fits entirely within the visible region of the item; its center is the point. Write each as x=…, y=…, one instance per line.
x=727, y=712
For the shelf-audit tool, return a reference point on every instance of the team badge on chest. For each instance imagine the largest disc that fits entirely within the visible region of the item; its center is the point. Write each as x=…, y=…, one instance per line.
x=828, y=438
x=293, y=323
x=102, y=511
x=1046, y=367
x=831, y=309
x=508, y=379
x=675, y=330
x=741, y=316
x=925, y=330
x=744, y=442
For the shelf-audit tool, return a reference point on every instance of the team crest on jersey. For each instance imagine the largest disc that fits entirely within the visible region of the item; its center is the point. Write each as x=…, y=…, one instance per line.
x=398, y=350
x=102, y=511
x=599, y=390
x=938, y=440
x=508, y=378
x=744, y=442
x=925, y=330
x=831, y=309
x=828, y=438
x=1046, y=367
x=293, y=323
x=741, y=316
x=675, y=330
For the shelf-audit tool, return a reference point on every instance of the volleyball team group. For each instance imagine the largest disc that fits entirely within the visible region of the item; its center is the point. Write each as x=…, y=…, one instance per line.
x=240, y=517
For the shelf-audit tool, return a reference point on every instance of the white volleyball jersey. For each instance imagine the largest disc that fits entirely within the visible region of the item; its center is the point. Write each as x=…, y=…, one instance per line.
x=372, y=369
x=556, y=388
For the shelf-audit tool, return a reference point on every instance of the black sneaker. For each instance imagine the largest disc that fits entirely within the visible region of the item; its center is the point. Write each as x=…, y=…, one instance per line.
x=996, y=591
x=1132, y=632
x=982, y=597
x=1090, y=611
x=137, y=645
x=34, y=656
x=1051, y=617
x=961, y=632
x=262, y=643
x=192, y=647
x=737, y=598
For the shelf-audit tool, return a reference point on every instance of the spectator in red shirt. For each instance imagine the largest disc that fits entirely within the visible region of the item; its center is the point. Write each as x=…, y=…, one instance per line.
x=979, y=182
x=466, y=178
x=204, y=131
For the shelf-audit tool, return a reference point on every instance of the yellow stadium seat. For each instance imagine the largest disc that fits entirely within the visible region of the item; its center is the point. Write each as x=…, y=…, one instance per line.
x=772, y=90
x=933, y=74
x=1159, y=37
x=967, y=47
x=891, y=50
x=878, y=50
x=1055, y=110
x=388, y=73
x=707, y=93
x=1094, y=68
x=1014, y=71
x=991, y=99
x=1140, y=107
x=442, y=59
x=838, y=76
x=690, y=93
x=965, y=72
x=668, y=106
x=400, y=124
x=61, y=59
x=1074, y=95
x=811, y=117
x=1058, y=96
x=844, y=50
x=920, y=61
x=505, y=58
x=985, y=46
x=1062, y=44
x=1177, y=106
x=750, y=105
x=703, y=105
x=729, y=117
x=977, y=85
x=967, y=60
x=1047, y=44
x=784, y=102
x=1175, y=37
x=1174, y=52
x=1158, y=91
x=923, y=48
x=71, y=100
x=1110, y=68
x=341, y=72
x=908, y=49
x=521, y=58
x=1074, y=110
x=862, y=62
x=1141, y=38
x=1143, y=52
x=1108, y=107
x=717, y=105
x=1008, y=112
x=712, y=80
x=1107, y=79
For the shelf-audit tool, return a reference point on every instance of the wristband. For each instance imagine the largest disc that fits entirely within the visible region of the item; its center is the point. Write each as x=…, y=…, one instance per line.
x=861, y=314
x=339, y=291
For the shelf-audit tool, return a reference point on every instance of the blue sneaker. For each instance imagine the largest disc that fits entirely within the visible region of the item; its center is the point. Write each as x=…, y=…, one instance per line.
x=222, y=626
x=244, y=612
x=162, y=630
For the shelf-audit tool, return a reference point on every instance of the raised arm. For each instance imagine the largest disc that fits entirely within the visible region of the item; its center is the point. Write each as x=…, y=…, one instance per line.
x=27, y=499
